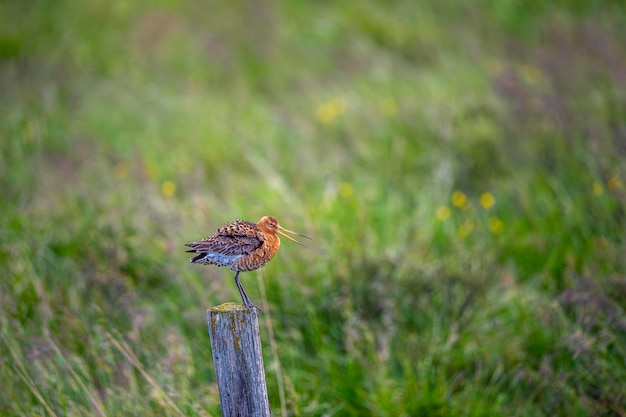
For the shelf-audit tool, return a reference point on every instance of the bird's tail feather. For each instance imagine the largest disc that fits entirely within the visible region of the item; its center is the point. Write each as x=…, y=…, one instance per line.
x=197, y=257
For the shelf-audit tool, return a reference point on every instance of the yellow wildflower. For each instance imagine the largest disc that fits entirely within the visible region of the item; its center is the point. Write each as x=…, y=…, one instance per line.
x=487, y=200
x=346, y=189
x=443, y=213
x=614, y=183
x=168, y=189
x=495, y=225
x=328, y=112
x=459, y=199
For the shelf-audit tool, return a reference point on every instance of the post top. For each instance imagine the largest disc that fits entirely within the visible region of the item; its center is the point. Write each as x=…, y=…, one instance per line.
x=227, y=307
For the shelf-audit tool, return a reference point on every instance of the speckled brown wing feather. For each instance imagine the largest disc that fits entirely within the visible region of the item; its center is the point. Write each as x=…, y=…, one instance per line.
x=226, y=245
x=236, y=238
x=238, y=228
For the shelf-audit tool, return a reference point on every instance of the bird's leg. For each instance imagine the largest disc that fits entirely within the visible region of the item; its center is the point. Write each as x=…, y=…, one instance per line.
x=244, y=297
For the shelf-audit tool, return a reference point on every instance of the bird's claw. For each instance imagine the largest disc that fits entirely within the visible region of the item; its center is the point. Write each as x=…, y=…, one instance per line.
x=251, y=307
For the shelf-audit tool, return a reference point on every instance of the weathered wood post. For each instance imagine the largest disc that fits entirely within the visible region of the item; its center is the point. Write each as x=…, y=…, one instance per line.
x=238, y=359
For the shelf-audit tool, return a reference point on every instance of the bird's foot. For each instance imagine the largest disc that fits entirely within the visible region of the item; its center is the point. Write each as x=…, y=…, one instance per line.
x=251, y=306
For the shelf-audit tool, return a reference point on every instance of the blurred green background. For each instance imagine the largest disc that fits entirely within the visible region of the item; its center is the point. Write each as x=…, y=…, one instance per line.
x=460, y=166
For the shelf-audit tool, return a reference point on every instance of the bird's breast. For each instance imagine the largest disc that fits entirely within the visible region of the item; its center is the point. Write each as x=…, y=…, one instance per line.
x=257, y=258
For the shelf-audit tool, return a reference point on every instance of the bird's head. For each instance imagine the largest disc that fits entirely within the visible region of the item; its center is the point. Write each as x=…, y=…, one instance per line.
x=269, y=224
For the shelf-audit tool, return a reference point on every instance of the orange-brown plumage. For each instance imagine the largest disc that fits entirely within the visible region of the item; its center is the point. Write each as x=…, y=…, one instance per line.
x=242, y=246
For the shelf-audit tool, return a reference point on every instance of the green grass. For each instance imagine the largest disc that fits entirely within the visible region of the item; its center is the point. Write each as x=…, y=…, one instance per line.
x=459, y=166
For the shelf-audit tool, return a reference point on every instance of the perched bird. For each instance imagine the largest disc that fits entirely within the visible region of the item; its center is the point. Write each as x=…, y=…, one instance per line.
x=242, y=246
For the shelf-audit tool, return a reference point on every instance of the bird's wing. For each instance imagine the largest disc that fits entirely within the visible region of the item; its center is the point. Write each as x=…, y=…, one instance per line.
x=238, y=228
x=226, y=245
x=236, y=238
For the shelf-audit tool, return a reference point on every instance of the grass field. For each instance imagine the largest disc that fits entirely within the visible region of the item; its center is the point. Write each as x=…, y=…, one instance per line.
x=461, y=167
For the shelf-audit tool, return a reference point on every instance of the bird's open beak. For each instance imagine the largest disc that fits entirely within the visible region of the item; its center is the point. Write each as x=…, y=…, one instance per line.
x=282, y=229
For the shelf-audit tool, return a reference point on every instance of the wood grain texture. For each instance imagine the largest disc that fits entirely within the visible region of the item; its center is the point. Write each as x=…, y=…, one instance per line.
x=238, y=358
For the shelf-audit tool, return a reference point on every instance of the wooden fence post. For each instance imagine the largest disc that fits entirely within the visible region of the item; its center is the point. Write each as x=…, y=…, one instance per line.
x=238, y=359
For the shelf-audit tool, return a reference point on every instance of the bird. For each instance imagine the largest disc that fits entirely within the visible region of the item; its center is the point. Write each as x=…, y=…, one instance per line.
x=242, y=246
